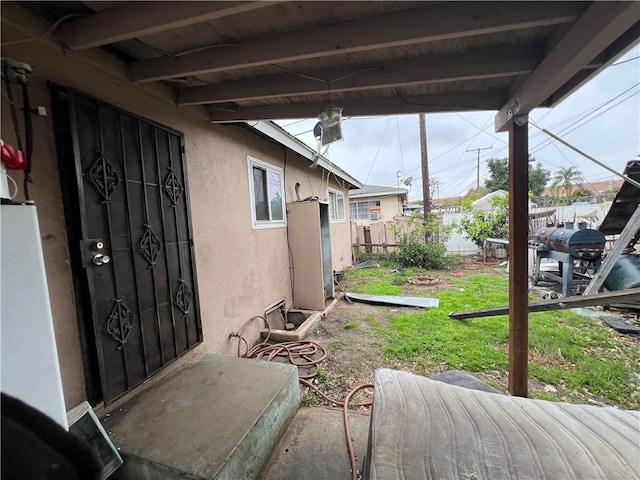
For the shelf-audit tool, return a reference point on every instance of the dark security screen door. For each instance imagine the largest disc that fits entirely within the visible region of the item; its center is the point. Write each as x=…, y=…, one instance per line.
x=133, y=196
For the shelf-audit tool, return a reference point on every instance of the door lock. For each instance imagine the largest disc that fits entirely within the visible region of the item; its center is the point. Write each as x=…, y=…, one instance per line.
x=93, y=253
x=101, y=259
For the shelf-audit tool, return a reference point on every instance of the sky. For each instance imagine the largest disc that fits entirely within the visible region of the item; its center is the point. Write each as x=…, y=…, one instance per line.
x=602, y=118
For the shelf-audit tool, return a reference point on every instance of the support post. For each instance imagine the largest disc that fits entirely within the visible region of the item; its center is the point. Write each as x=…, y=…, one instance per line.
x=518, y=237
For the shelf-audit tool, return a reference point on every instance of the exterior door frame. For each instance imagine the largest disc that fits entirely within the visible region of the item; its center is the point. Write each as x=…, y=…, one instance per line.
x=72, y=185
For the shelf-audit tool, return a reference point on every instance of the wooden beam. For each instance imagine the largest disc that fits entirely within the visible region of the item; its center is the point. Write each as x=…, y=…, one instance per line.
x=369, y=106
x=606, y=298
x=473, y=65
x=628, y=233
x=616, y=50
x=442, y=21
x=518, y=255
x=600, y=26
x=137, y=19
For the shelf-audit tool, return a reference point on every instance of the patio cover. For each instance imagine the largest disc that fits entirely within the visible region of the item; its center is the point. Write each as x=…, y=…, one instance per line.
x=248, y=61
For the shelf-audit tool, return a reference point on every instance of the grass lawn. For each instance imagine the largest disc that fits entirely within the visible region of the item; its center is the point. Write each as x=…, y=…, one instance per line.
x=579, y=356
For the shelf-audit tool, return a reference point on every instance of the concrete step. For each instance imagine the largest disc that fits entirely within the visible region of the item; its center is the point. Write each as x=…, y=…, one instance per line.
x=216, y=418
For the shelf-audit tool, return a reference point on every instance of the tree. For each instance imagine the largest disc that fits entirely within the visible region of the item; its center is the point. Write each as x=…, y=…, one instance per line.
x=478, y=225
x=566, y=178
x=499, y=169
x=499, y=180
x=538, y=178
x=581, y=193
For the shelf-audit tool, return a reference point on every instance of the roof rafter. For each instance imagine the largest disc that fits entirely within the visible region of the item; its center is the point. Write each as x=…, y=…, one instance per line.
x=456, y=102
x=407, y=27
x=137, y=19
x=600, y=26
x=472, y=65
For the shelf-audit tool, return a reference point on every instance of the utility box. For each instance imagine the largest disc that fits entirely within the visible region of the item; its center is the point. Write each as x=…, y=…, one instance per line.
x=310, y=244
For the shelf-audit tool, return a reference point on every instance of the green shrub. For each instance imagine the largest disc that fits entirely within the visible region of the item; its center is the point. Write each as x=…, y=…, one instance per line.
x=413, y=251
x=478, y=225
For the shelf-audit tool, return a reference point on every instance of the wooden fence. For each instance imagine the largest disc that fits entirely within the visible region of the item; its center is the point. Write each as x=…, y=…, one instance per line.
x=378, y=238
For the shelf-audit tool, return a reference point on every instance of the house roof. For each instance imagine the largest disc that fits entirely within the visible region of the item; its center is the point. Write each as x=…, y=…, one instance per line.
x=271, y=60
x=277, y=133
x=603, y=186
x=376, y=191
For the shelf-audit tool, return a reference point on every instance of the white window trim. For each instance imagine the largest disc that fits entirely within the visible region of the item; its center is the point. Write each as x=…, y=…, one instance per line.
x=368, y=216
x=344, y=205
x=262, y=224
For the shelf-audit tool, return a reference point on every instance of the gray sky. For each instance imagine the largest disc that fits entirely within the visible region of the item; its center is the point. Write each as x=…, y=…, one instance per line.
x=599, y=118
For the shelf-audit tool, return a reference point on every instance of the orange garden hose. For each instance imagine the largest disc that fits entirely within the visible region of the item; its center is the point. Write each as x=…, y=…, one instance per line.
x=303, y=354
x=347, y=428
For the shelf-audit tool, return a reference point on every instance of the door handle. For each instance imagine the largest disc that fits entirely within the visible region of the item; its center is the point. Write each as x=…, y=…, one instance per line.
x=101, y=259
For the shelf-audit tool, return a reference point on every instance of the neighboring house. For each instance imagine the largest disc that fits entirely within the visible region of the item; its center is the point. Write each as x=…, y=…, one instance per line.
x=191, y=259
x=603, y=187
x=373, y=203
x=484, y=203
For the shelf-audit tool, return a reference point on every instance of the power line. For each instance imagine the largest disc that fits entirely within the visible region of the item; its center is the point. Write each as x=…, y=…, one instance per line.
x=400, y=144
x=378, y=151
x=625, y=61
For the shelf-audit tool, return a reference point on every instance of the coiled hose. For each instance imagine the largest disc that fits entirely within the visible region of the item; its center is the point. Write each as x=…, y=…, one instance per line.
x=306, y=355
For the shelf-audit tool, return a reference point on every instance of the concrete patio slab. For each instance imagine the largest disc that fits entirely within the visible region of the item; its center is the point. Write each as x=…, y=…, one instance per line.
x=216, y=418
x=314, y=446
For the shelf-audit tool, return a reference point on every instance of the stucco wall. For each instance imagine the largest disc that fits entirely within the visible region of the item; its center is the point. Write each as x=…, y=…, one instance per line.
x=240, y=270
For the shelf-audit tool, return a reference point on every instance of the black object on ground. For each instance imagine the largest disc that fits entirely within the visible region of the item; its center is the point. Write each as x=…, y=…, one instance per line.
x=463, y=379
x=621, y=325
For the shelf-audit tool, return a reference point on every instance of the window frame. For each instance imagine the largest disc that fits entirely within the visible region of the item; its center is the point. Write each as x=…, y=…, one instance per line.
x=369, y=203
x=269, y=168
x=332, y=210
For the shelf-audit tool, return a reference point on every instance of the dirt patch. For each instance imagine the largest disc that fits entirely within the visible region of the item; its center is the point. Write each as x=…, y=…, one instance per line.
x=423, y=280
x=355, y=352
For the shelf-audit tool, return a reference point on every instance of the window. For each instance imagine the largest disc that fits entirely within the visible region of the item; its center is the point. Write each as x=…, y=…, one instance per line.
x=336, y=206
x=365, y=210
x=267, y=194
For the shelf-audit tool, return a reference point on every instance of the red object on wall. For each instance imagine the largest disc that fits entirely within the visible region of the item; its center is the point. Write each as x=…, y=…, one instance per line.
x=13, y=158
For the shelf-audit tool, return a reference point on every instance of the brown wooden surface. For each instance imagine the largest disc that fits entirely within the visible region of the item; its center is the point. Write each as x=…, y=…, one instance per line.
x=605, y=298
x=518, y=238
x=424, y=161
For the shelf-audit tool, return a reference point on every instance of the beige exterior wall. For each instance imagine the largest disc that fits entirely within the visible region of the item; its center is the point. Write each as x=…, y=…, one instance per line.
x=391, y=206
x=341, y=235
x=240, y=270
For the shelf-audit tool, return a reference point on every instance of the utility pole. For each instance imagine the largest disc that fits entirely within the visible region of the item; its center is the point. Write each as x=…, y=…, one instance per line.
x=426, y=200
x=478, y=150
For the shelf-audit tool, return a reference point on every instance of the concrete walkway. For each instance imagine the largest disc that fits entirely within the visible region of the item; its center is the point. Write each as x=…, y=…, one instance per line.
x=314, y=446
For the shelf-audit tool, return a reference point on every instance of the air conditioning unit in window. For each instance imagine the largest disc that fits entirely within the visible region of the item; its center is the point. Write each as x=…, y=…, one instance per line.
x=375, y=216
